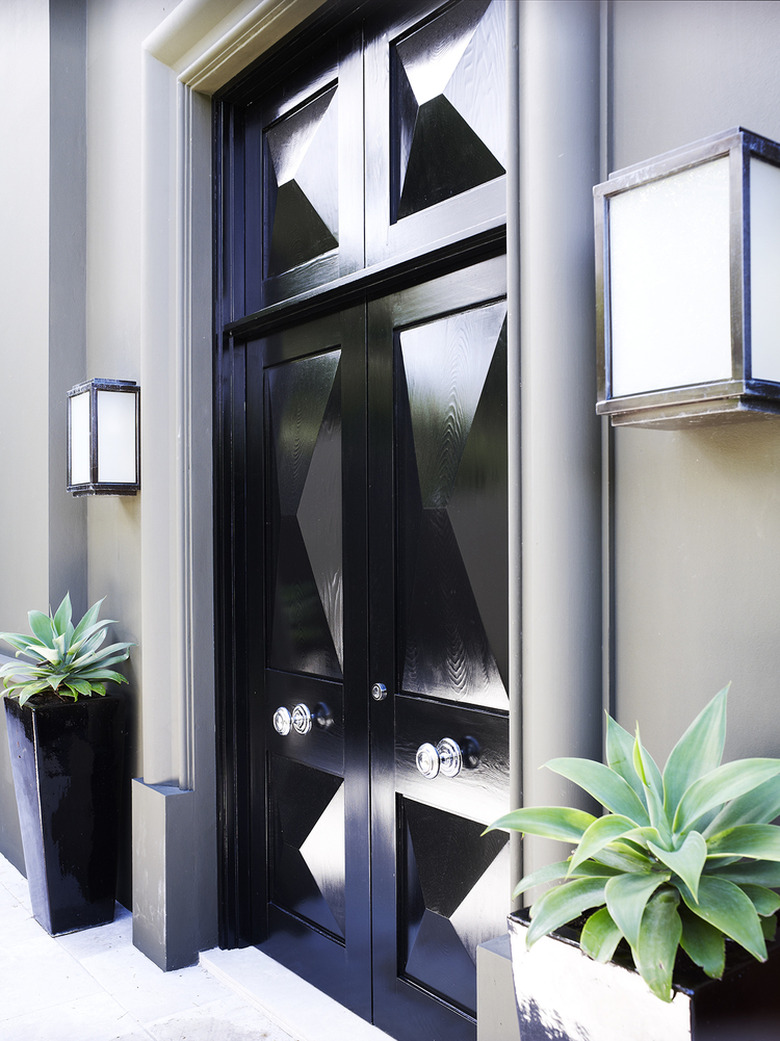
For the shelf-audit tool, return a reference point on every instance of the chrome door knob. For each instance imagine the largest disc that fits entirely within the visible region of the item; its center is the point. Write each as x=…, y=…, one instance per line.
x=427, y=760
x=301, y=719
x=379, y=692
x=447, y=757
x=450, y=757
x=282, y=721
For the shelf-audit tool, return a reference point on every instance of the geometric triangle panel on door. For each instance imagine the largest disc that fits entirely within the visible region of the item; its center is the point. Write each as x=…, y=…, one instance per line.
x=450, y=106
x=302, y=183
x=452, y=436
x=480, y=523
x=446, y=363
x=308, y=843
x=456, y=886
x=304, y=431
x=323, y=852
x=320, y=520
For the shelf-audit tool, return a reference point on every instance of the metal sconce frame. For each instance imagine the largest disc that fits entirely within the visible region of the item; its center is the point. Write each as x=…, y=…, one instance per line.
x=748, y=381
x=104, y=461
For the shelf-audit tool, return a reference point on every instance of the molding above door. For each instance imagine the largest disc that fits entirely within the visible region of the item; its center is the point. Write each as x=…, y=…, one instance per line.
x=207, y=42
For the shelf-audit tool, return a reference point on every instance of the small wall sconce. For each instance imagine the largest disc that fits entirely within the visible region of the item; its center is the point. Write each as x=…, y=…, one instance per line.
x=688, y=283
x=104, y=448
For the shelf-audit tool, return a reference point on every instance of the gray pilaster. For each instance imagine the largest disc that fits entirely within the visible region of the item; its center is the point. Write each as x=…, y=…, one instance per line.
x=561, y=597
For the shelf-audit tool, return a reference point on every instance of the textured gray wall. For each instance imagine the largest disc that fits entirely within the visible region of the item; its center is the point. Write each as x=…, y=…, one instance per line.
x=696, y=512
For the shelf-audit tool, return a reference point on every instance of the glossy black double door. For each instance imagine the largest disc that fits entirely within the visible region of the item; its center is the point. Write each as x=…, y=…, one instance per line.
x=377, y=438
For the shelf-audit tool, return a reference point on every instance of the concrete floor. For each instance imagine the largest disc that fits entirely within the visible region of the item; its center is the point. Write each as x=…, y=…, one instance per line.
x=94, y=985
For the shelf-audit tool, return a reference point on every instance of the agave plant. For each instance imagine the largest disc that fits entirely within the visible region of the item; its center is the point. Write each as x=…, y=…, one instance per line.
x=683, y=858
x=65, y=660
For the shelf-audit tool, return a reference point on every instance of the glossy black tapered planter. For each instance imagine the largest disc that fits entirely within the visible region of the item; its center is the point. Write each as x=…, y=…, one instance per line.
x=563, y=995
x=66, y=759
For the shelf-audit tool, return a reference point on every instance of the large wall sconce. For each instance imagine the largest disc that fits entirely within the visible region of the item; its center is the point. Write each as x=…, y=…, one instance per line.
x=104, y=450
x=688, y=283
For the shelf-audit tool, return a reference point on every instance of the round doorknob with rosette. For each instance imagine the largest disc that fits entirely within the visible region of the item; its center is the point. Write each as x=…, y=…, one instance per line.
x=282, y=721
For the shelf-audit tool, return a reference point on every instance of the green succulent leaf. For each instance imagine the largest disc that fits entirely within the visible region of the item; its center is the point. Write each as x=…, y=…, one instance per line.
x=600, y=936
x=719, y=786
x=79, y=687
x=760, y=872
x=759, y=806
x=560, y=871
x=560, y=905
x=648, y=772
x=27, y=691
x=769, y=927
x=599, y=834
x=20, y=642
x=63, y=615
x=761, y=841
x=41, y=626
x=645, y=766
x=765, y=901
x=88, y=620
x=725, y=906
x=659, y=938
x=703, y=943
x=698, y=751
x=626, y=898
x=687, y=861
x=603, y=784
x=619, y=748
x=551, y=822
x=624, y=857
x=542, y=876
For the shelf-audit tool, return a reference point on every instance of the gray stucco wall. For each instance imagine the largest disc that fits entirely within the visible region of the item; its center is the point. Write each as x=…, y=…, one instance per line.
x=696, y=536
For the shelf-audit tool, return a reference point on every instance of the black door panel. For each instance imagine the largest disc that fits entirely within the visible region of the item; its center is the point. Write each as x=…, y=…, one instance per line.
x=437, y=522
x=365, y=442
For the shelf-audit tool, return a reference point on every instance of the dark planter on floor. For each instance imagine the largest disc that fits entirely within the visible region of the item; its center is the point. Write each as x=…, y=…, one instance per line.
x=66, y=759
x=562, y=995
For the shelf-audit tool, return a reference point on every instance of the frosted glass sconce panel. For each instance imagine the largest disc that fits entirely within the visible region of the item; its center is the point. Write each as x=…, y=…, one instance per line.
x=669, y=249
x=116, y=437
x=79, y=439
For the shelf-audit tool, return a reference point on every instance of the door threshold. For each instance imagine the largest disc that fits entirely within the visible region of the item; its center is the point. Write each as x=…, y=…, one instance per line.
x=289, y=1001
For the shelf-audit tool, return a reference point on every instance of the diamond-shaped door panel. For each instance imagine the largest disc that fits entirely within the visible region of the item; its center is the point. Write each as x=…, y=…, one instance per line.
x=449, y=105
x=308, y=843
x=456, y=890
x=452, y=501
x=302, y=202
x=304, y=450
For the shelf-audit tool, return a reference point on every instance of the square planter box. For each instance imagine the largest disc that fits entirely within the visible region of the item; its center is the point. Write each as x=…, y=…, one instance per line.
x=563, y=995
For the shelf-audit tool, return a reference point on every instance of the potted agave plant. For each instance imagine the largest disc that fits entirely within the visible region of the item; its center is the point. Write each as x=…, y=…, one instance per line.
x=66, y=740
x=653, y=928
